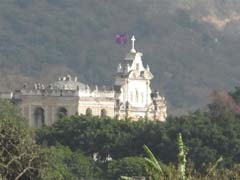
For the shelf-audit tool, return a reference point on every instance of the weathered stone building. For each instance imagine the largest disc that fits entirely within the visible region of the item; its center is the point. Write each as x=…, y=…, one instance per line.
x=131, y=96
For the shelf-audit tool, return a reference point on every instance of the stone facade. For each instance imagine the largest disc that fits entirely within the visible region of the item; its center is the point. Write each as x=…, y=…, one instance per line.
x=131, y=96
x=65, y=97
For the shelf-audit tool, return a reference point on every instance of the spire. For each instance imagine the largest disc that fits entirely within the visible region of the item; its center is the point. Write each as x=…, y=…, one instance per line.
x=133, y=43
x=148, y=69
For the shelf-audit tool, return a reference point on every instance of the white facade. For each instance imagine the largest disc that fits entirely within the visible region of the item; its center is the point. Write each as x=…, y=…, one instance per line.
x=133, y=92
x=132, y=96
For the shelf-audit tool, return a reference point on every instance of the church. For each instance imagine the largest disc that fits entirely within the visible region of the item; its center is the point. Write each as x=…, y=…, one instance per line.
x=130, y=97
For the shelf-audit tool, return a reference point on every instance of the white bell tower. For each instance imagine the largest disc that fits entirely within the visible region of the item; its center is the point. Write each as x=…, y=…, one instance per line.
x=132, y=84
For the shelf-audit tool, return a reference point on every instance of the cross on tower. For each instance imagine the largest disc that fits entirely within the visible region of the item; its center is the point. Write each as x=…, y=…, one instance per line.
x=133, y=42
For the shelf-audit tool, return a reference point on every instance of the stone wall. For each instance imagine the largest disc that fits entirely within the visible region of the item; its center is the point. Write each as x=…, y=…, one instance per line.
x=50, y=106
x=96, y=105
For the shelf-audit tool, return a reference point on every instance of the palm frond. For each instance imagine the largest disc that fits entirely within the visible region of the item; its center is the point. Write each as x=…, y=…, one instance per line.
x=152, y=161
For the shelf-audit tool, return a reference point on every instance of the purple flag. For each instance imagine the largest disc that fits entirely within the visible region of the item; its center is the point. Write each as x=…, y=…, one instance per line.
x=121, y=39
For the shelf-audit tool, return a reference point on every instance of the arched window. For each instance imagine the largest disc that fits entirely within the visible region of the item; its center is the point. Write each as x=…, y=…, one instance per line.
x=39, y=118
x=131, y=96
x=136, y=96
x=89, y=112
x=61, y=112
x=103, y=113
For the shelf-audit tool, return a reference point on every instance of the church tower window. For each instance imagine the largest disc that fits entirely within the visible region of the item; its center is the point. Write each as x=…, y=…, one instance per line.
x=137, y=66
x=136, y=96
x=131, y=96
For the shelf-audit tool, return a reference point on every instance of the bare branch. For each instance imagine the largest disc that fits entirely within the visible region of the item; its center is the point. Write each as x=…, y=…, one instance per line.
x=23, y=172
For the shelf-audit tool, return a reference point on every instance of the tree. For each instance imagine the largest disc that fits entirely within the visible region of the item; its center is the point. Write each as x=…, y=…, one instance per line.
x=236, y=94
x=91, y=134
x=221, y=103
x=208, y=137
x=20, y=157
x=57, y=168
x=65, y=164
x=128, y=166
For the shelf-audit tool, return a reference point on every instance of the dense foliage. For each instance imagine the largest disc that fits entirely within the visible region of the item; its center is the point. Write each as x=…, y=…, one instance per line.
x=90, y=147
x=20, y=157
x=65, y=164
x=128, y=166
x=208, y=137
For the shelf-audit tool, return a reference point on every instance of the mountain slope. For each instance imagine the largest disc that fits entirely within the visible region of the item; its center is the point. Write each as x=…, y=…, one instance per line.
x=191, y=47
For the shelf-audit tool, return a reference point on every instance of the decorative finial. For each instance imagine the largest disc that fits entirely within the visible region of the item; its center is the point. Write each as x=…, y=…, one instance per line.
x=148, y=69
x=119, y=69
x=133, y=42
x=127, y=68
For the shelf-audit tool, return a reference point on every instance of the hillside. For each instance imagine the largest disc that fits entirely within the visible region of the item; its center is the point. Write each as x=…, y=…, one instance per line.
x=191, y=47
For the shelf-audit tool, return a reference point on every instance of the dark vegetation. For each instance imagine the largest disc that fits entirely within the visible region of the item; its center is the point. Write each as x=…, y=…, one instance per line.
x=207, y=137
x=66, y=149
x=41, y=40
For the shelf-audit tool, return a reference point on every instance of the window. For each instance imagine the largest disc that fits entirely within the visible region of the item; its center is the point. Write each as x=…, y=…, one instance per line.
x=89, y=112
x=131, y=96
x=103, y=113
x=137, y=66
x=142, y=96
x=136, y=96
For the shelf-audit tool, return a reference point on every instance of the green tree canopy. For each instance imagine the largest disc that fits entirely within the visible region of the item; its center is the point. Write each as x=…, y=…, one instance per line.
x=128, y=166
x=65, y=164
x=208, y=137
x=20, y=157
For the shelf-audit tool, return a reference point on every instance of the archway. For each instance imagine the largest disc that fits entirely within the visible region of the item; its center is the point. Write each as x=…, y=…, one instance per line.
x=39, y=118
x=103, y=113
x=89, y=112
x=62, y=112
